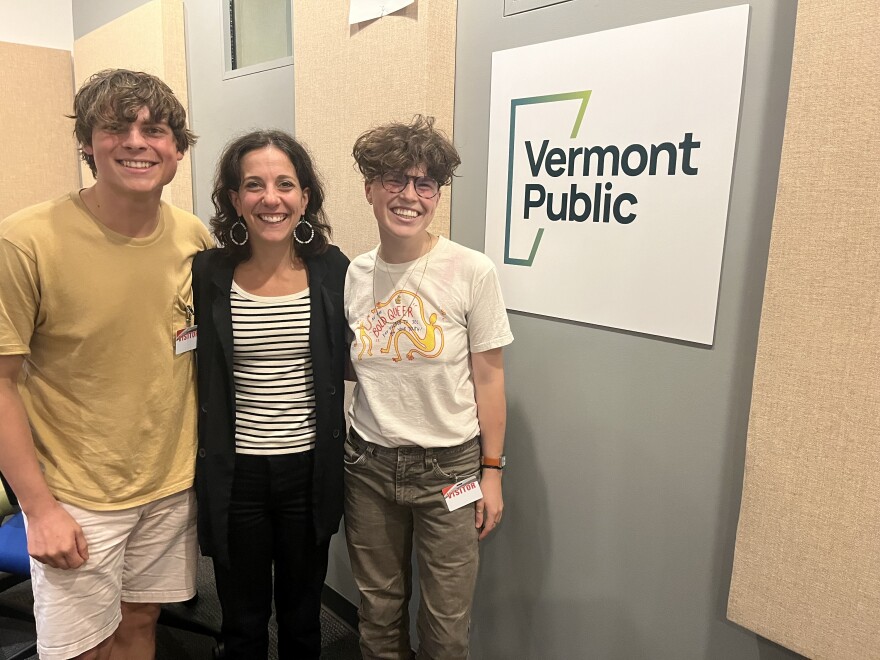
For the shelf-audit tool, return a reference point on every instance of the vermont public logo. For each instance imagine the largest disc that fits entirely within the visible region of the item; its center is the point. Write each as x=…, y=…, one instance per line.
x=609, y=167
x=588, y=180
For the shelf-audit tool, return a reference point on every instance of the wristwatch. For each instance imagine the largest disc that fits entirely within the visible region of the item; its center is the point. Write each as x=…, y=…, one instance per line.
x=493, y=463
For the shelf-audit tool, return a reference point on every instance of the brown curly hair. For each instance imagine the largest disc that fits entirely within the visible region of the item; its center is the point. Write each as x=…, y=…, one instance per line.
x=228, y=177
x=398, y=147
x=117, y=95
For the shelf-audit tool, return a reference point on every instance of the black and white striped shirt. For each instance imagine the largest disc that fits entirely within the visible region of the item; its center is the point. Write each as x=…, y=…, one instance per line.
x=272, y=368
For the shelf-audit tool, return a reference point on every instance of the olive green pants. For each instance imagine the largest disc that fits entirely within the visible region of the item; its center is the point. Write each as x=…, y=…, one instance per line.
x=393, y=503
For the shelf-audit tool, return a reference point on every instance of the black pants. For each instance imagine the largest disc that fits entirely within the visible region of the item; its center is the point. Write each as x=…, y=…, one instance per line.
x=270, y=521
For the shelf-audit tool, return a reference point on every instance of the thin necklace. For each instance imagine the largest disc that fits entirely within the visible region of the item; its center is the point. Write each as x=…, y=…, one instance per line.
x=426, y=256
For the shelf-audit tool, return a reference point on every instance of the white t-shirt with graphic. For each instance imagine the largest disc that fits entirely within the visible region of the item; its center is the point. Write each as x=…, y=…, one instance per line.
x=415, y=325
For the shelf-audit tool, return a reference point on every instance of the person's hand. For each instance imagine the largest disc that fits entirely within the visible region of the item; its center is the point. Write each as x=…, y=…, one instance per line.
x=488, y=509
x=55, y=539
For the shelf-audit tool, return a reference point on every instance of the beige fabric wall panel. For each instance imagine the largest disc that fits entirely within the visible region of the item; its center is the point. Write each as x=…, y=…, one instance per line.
x=37, y=150
x=149, y=38
x=807, y=567
x=350, y=78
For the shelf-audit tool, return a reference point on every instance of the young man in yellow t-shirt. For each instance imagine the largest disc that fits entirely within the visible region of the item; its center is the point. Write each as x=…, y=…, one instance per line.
x=96, y=394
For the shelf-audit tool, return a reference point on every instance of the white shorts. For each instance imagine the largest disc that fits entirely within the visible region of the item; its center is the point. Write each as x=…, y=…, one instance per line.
x=146, y=554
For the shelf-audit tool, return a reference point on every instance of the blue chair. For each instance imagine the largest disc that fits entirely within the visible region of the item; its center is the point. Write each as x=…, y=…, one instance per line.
x=13, y=547
x=14, y=569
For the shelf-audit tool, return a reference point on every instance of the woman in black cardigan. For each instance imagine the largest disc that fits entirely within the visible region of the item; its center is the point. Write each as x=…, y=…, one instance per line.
x=271, y=358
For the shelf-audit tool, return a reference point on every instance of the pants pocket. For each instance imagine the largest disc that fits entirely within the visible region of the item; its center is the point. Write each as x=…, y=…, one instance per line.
x=455, y=466
x=354, y=455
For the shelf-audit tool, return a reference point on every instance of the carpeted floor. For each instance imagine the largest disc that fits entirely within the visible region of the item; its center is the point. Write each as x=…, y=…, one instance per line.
x=339, y=640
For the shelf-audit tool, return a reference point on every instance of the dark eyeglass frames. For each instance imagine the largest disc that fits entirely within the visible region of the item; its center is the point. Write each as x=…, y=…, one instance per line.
x=426, y=187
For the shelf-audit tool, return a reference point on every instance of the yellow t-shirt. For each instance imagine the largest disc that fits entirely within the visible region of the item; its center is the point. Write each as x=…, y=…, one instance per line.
x=111, y=407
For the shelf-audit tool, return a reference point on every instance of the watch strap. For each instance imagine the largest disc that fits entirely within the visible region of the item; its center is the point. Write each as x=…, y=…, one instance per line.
x=496, y=463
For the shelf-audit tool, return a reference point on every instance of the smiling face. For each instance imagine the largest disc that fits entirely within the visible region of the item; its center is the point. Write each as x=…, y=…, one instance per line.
x=402, y=217
x=269, y=198
x=134, y=158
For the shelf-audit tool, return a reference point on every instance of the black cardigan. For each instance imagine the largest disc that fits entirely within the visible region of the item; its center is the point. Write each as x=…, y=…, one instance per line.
x=212, y=280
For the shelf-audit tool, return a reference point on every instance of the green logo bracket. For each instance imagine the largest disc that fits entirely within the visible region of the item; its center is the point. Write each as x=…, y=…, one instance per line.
x=584, y=98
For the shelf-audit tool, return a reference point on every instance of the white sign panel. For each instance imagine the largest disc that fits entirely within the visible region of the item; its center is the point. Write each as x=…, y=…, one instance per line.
x=610, y=161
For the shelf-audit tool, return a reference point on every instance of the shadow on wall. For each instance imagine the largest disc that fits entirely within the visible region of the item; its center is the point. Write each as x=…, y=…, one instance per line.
x=768, y=650
x=512, y=618
x=507, y=604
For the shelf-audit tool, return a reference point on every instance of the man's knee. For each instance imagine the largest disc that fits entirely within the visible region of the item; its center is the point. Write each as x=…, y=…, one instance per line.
x=135, y=638
x=139, y=616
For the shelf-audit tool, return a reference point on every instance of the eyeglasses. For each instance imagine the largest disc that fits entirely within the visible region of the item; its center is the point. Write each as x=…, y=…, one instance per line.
x=426, y=187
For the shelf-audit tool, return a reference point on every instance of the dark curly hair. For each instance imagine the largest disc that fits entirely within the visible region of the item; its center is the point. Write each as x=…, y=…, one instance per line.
x=398, y=147
x=112, y=96
x=228, y=177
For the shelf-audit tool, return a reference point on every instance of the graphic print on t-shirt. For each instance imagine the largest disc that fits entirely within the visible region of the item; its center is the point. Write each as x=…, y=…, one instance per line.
x=401, y=323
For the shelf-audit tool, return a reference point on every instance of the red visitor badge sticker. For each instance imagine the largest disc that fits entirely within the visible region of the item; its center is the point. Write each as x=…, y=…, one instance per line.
x=186, y=340
x=461, y=493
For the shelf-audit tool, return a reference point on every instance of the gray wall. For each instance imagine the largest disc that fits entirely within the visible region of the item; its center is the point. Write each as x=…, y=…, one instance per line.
x=221, y=109
x=625, y=451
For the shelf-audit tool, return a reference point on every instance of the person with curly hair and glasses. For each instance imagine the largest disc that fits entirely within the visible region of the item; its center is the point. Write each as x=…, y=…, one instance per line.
x=424, y=454
x=271, y=359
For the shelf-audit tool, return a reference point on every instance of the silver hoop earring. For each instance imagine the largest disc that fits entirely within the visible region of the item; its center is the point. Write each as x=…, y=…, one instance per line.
x=238, y=223
x=303, y=221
